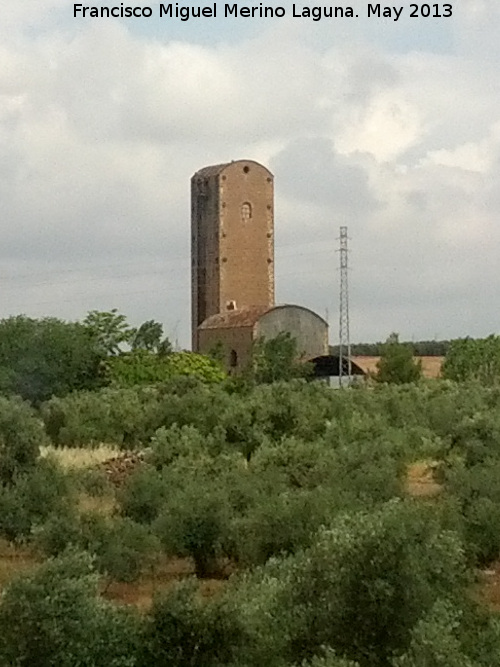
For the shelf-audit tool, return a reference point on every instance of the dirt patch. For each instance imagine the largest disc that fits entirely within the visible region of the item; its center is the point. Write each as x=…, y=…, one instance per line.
x=487, y=590
x=15, y=560
x=420, y=480
x=159, y=579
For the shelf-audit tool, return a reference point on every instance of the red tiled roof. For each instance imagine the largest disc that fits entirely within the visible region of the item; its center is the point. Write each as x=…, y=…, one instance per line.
x=211, y=170
x=243, y=317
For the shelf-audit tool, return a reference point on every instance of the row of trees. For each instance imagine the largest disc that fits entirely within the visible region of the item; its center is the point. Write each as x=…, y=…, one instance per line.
x=421, y=348
x=380, y=588
x=300, y=488
x=41, y=358
x=466, y=359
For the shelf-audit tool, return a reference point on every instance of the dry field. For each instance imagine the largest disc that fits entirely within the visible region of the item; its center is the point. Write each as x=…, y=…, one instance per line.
x=14, y=560
x=420, y=482
x=73, y=458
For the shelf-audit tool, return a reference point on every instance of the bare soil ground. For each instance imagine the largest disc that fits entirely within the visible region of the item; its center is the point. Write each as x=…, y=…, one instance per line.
x=15, y=560
x=420, y=481
x=487, y=590
x=140, y=593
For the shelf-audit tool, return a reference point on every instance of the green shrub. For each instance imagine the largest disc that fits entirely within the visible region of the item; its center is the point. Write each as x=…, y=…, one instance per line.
x=477, y=490
x=330, y=660
x=186, y=630
x=396, y=364
x=127, y=550
x=368, y=580
x=142, y=495
x=278, y=524
x=127, y=417
x=58, y=533
x=45, y=357
x=170, y=444
x=144, y=367
x=32, y=498
x=195, y=522
x=21, y=436
x=435, y=640
x=54, y=617
x=92, y=481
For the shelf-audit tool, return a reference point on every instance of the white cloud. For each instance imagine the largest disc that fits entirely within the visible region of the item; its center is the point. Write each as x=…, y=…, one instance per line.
x=101, y=129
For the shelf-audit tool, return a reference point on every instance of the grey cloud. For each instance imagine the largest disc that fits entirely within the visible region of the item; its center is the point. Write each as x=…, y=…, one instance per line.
x=311, y=170
x=101, y=131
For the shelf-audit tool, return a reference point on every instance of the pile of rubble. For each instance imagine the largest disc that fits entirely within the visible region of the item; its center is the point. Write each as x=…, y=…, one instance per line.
x=120, y=467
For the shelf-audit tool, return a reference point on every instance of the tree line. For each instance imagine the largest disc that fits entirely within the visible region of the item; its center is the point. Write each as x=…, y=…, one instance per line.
x=294, y=495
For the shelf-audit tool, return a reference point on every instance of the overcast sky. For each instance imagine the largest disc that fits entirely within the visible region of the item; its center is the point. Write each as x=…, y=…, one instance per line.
x=389, y=127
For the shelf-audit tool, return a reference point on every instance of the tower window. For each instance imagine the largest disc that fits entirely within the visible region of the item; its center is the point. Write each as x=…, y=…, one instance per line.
x=246, y=212
x=233, y=358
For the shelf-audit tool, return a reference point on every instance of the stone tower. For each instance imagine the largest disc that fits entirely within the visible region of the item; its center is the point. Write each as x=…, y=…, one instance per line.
x=232, y=240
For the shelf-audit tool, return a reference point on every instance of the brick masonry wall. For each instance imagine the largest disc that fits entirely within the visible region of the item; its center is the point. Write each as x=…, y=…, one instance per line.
x=238, y=339
x=247, y=243
x=232, y=240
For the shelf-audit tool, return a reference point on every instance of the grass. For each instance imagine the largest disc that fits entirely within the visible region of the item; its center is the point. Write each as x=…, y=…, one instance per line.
x=75, y=458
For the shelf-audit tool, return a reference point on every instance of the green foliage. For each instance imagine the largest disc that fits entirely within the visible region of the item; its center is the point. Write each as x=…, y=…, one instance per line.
x=127, y=417
x=21, y=435
x=195, y=522
x=197, y=365
x=122, y=548
x=396, y=363
x=42, y=358
x=54, y=617
x=473, y=359
x=185, y=630
x=278, y=524
x=60, y=531
x=277, y=359
x=435, y=640
x=477, y=490
x=330, y=660
x=299, y=487
x=143, y=495
x=144, y=367
x=31, y=498
x=108, y=331
x=368, y=580
x=149, y=337
x=170, y=444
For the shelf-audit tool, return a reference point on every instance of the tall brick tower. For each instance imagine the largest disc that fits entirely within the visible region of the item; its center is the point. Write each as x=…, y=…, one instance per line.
x=232, y=240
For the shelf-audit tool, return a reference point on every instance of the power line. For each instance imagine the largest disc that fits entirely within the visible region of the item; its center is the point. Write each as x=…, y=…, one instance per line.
x=78, y=272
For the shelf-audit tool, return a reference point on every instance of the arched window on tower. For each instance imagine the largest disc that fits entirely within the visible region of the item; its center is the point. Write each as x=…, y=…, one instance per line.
x=246, y=212
x=233, y=359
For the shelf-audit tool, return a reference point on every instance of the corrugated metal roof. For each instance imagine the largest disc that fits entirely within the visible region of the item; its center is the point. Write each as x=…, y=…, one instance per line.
x=242, y=317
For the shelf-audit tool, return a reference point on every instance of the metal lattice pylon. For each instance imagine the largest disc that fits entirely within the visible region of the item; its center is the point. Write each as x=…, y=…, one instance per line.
x=345, y=369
